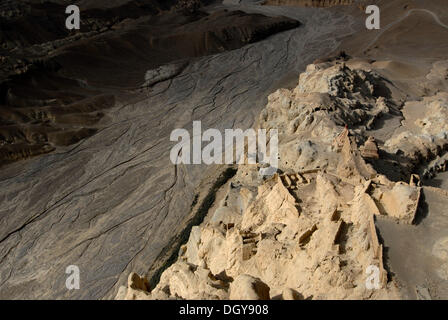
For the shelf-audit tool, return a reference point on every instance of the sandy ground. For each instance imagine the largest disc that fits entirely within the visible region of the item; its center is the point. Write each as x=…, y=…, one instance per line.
x=416, y=255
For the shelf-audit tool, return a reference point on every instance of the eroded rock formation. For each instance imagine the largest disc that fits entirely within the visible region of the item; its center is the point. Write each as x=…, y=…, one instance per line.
x=308, y=232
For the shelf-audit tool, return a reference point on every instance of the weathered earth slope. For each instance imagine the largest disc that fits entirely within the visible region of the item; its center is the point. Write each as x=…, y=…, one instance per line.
x=56, y=85
x=111, y=203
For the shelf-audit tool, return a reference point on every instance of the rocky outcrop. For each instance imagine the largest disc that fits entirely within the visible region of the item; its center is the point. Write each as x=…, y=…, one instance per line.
x=370, y=149
x=310, y=117
x=424, y=136
x=246, y=287
x=308, y=231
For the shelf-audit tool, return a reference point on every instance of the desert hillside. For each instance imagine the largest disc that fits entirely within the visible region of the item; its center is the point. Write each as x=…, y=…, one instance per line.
x=87, y=179
x=55, y=88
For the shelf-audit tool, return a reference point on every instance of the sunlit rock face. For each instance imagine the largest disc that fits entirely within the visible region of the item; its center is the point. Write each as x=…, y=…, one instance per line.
x=309, y=232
